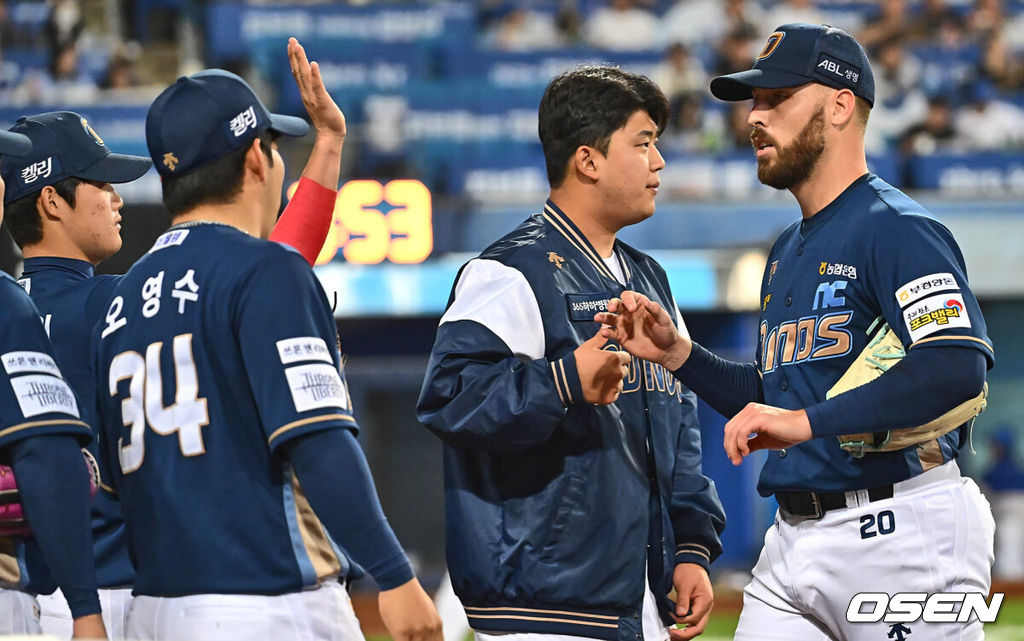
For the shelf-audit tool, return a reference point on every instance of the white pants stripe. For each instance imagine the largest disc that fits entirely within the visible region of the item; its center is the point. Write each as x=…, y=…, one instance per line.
x=324, y=614
x=810, y=570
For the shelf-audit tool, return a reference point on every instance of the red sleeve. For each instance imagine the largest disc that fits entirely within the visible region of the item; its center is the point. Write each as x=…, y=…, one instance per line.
x=306, y=220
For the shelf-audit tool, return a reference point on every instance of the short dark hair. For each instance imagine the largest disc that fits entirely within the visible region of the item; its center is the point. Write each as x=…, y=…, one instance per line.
x=585, y=105
x=214, y=184
x=22, y=216
x=863, y=111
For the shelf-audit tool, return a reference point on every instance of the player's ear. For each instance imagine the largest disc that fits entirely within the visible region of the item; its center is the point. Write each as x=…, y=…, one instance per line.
x=843, y=107
x=255, y=161
x=586, y=161
x=49, y=203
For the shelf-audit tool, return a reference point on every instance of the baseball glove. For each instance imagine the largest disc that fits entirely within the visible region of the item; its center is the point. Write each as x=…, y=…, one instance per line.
x=12, y=517
x=882, y=352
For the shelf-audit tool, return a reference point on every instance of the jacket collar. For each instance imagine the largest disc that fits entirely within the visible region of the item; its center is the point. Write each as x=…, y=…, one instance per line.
x=563, y=225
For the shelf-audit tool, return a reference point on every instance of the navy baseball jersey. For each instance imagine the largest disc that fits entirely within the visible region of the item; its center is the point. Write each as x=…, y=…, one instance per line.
x=872, y=253
x=34, y=400
x=71, y=300
x=216, y=349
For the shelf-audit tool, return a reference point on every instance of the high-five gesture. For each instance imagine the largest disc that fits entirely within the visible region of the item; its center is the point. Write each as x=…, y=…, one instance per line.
x=324, y=114
x=644, y=329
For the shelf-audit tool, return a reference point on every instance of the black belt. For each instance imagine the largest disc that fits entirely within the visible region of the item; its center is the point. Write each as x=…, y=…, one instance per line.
x=815, y=504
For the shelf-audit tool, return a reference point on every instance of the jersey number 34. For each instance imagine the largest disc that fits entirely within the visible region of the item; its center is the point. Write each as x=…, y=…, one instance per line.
x=145, y=402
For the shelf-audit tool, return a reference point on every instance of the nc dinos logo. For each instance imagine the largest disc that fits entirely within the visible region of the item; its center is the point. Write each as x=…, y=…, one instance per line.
x=771, y=45
x=92, y=132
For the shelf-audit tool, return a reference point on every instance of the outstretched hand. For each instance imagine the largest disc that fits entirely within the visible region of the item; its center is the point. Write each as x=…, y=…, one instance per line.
x=773, y=428
x=644, y=329
x=324, y=113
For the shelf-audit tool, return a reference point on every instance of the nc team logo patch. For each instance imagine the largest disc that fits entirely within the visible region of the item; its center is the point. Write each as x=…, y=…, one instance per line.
x=771, y=45
x=935, y=314
x=555, y=259
x=92, y=132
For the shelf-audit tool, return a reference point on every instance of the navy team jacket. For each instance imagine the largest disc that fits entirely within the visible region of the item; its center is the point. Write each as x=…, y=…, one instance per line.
x=554, y=506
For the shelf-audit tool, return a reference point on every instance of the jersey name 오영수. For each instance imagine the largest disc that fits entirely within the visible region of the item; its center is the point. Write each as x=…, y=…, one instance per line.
x=872, y=253
x=71, y=301
x=34, y=400
x=216, y=349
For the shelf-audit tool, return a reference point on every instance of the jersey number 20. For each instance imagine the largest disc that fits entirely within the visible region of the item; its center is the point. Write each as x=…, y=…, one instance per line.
x=145, y=402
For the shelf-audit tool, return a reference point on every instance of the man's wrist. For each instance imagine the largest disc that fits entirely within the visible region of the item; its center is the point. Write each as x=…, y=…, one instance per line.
x=330, y=140
x=676, y=355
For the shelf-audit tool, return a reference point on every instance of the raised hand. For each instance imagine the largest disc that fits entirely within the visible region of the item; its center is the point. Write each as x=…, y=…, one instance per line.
x=324, y=114
x=601, y=371
x=644, y=329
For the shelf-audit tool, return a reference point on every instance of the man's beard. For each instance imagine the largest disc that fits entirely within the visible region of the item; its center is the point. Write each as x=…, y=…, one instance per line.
x=797, y=160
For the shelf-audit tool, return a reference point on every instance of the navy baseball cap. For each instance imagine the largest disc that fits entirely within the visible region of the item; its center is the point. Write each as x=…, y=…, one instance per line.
x=206, y=116
x=12, y=144
x=799, y=53
x=63, y=145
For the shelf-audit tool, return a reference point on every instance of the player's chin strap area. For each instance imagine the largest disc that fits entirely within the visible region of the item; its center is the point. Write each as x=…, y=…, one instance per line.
x=882, y=352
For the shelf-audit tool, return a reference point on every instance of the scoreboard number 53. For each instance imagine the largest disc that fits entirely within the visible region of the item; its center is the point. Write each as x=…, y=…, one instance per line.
x=374, y=222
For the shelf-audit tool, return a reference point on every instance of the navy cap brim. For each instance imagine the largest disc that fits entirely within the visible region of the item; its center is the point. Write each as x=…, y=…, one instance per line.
x=14, y=144
x=736, y=86
x=288, y=125
x=116, y=169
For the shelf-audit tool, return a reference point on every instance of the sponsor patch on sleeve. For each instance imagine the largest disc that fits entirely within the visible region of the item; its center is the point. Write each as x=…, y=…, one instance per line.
x=582, y=307
x=40, y=394
x=925, y=285
x=303, y=348
x=20, y=362
x=935, y=314
x=316, y=387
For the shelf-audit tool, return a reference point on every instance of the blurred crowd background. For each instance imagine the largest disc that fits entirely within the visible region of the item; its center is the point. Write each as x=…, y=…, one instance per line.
x=441, y=101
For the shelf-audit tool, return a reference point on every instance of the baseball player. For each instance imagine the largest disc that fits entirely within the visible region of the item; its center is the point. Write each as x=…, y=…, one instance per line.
x=223, y=407
x=871, y=358
x=41, y=432
x=65, y=217
x=574, y=494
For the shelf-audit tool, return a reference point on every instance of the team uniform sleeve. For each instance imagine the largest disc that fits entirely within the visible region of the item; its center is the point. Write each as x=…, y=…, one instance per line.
x=34, y=397
x=306, y=220
x=921, y=284
x=288, y=341
x=336, y=479
x=54, y=489
x=489, y=385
